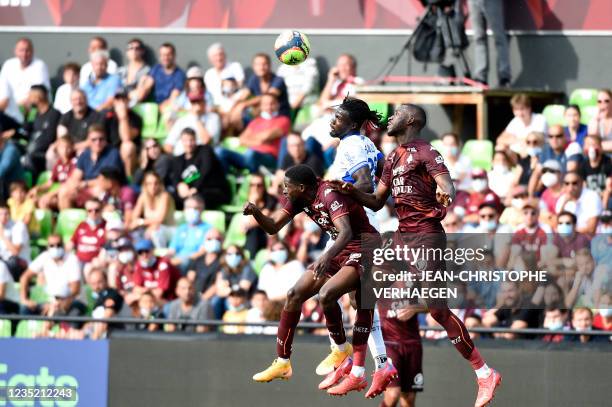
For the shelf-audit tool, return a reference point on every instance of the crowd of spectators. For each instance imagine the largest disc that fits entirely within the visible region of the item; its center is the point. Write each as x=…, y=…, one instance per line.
x=144, y=248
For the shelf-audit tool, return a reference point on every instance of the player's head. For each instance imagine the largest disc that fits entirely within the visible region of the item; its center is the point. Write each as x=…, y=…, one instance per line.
x=407, y=116
x=351, y=115
x=299, y=181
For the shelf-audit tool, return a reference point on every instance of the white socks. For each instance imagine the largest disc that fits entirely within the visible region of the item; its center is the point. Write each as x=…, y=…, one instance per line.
x=358, y=371
x=483, y=372
x=376, y=343
x=282, y=360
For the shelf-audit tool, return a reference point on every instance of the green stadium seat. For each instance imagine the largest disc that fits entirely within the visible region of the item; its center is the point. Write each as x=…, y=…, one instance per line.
x=5, y=328
x=260, y=260
x=480, y=153
x=44, y=217
x=234, y=235
x=38, y=294
x=27, y=177
x=437, y=144
x=587, y=114
x=67, y=222
x=303, y=118
x=382, y=108
x=554, y=114
x=179, y=218
x=149, y=112
x=233, y=144
x=43, y=177
x=583, y=97
x=30, y=329
x=215, y=218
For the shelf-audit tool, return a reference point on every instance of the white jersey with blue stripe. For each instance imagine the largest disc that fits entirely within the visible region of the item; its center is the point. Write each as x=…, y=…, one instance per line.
x=354, y=152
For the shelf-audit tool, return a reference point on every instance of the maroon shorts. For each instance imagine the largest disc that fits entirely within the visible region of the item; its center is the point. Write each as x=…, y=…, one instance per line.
x=357, y=254
x=408, y=360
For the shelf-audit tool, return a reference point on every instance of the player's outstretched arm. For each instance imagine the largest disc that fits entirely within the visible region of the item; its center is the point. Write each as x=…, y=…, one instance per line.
x=270, y=224
x=374, y=201
x=446, y=190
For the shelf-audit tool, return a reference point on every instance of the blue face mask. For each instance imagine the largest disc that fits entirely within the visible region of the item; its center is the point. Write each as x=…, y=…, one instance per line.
x=233, y=259
x=488, y=225
x=279, y=256
x=212, y=245
x=192, y=216
x=533, y=151
x=564, y=229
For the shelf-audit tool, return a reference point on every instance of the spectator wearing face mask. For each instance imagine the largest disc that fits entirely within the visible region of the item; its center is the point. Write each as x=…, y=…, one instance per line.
x=237, y=311
x=90, y=235
x=574, y=130
x=115, y=232
x=259, y=302
x=529, y=163
x=480, y=192
x=502, y=176
x=187, y=242
x=498, y=236
x=523, y=123
x=227, y=105
x=584, y=203
x=280, y=273
x=52, y=268
x=582, y=320
x=550, y=180
x=189, y=307
x=603, y=319
x=236, y=273
x=121, y=271
x=555, y=319
x=601, y=245
x=146, y=309
x=458, y=165
x=531, y=236
x=512, y=215
x=567, y=240
x=203, y=269
x=154, y=274
x=594, y=166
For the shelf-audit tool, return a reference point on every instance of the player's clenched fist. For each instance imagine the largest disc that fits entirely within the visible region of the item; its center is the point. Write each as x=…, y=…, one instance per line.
x=443, y=198
x=341, y=186
x=249, y=208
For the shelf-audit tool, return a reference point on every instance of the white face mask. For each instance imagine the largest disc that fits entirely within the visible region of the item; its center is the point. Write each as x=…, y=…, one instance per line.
x=192, y=216
x=56, y=252
x=212, y=245
x=147, y=263
x=233, y=259
x=605, y=312
x=387, y=148
x=533, y=151
x=279, y=256
x=479, y=184
x=605, y=229
x=145, y=312
x=267, y=115
x=93, y=222
x=453, y=150
x=517, y=203
x=459, y=211
x=488, y=225
x=592, y=153
x=549, y=179
x=501, y=168
x=555, y=325
x=564, y=230
x=126, y=257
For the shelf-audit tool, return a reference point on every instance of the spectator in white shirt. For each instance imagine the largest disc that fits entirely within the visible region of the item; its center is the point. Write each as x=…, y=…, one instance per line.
x=53, y=268
x=96, y=44
x=280, y=273
x=458, y=165
x=24, y=70
x=302, y=82
x=584, y=203
x=9, y=298
x=71, y=82
x=220, y=69
x=14, y=242
x=523, y=123
x=259, y=302
x=207, y=126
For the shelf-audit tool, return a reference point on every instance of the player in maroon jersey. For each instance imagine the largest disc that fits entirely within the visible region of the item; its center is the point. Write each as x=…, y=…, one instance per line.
x=415, y=176
x=338, y=271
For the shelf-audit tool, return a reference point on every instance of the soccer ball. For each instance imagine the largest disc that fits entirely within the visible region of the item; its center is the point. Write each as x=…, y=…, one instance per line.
x=292, y=47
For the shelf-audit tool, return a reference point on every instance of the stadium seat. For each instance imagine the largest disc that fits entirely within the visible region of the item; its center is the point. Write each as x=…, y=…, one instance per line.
x=67, y=222
x=303, y=118
x=437, y=144
x=5, y=328
x=583, y=97
x=480, y=153
x=234, y=235
x=44, y=217
x=149, y=112
x=554, y=114
x=38, y=294
x=179, y=218
x=382, y=108
x=43, y=177
x=233, y=144
x=260, y=260
x=30, y=329
x=215, y=218
x=587, y=114
x=27, y=178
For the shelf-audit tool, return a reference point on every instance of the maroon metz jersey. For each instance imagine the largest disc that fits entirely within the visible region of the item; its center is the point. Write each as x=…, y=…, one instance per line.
x=399, y=332
x=330, y=205
x=409, y=172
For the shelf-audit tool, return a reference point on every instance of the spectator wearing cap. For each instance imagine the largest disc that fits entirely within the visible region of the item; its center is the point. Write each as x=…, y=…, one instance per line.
x=528, y=164
x=89, y=237
x=9, y=297
x=100, y=86
x=512, y=215
x=582, y=320
x=207, y=126
x=198, y=172
x=503, y=175
x=70, y=75
x=153, y=214
x=14, y=242
x=530, y=237
x=75, y=124
x=262, y=137
x=10, y=166
x=96, y=44
x=480, y=192
x=523, y=123
x=203, y=269
x=220, y=69
x=108, y=303
x=574, y=131
x=17, y=76
x=153, y=158
x=42, y=131
x=90, y=163
x=55, y=268
x=593, y=165
x=187, y=242
x=551, y=181
x=132, y=74
x=166, y=79
x=123, y=127
x=188, y=306
x=154, y=274
x=237, y=310
x=584, y=203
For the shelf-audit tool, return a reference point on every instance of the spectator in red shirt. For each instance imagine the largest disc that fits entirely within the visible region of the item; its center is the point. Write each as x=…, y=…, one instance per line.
x=90, y=235
x=528, y=240
x=480, y=194
x=262, y=137
x=603, y=319
x=154, y=274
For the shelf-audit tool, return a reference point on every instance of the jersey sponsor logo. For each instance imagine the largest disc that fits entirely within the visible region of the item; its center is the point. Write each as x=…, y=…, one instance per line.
x=319, y=205
x=335, y=206
x=411, y=149
x=439, y=159
x=398, y=170
x=355, y=256
x=327, y=191
x=323, y=221
x=399, y=186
